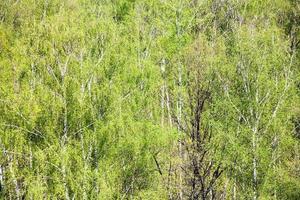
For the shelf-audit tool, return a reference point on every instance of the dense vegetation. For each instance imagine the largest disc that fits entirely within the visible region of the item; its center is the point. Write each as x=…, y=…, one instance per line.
x=150, y=99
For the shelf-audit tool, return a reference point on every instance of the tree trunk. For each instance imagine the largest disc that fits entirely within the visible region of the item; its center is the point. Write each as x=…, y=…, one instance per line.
x=254, y=162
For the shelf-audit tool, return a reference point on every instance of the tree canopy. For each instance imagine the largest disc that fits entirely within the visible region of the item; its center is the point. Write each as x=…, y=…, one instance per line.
x=150, y=99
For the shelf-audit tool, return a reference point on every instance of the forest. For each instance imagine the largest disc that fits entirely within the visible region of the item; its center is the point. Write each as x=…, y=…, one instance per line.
x=150, y=99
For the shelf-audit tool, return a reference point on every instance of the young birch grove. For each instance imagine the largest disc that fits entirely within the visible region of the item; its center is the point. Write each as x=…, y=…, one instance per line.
x=150, y=99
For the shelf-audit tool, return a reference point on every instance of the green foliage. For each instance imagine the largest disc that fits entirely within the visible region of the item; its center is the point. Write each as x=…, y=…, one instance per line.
x=91, y=93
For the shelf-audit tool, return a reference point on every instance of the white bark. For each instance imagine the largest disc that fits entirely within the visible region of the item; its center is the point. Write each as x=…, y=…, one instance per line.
x=1, y=177
x=84, y=195
x=65, y=182
x=162, y=103
x=168, y=106
x=179, y=106
x=254, y=165
x=14, y=179
x=234, y=189
x=64, y=70
x=179, y=121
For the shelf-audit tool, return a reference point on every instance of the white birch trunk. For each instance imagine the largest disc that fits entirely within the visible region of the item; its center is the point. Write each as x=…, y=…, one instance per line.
x=179, y=121
x=1, y=178
x=162, y=68
x=254, y=165
x=14, y=180
x=84, y=196
x=64, y=70
x=234, y=189
x=179, y=106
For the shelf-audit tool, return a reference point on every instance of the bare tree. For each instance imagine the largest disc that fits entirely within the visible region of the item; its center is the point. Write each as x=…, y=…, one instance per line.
x=201, y=170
